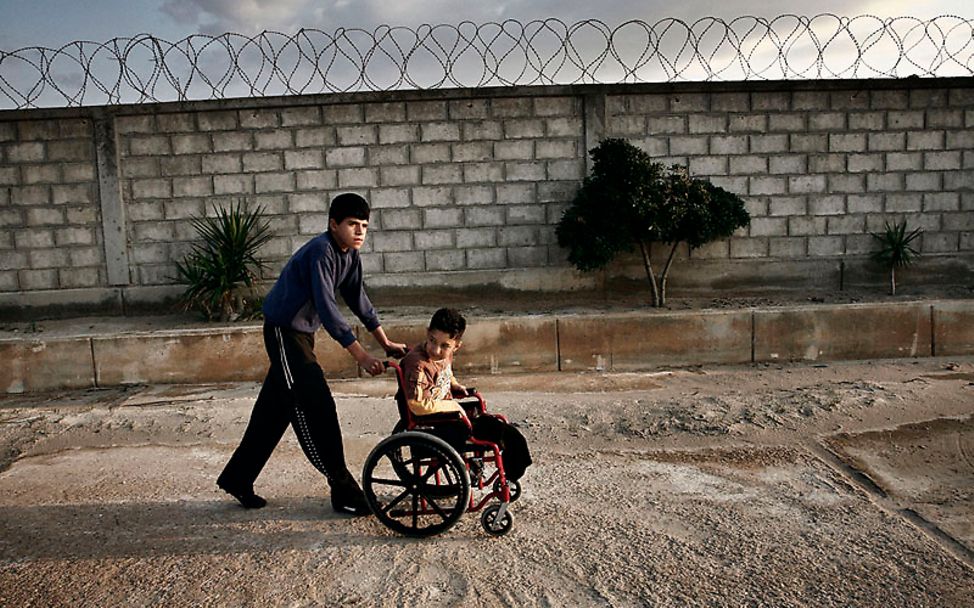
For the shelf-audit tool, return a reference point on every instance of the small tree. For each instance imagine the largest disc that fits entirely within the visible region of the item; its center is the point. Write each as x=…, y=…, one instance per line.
x=629, y=200
x=224, y=264
x=895, y=249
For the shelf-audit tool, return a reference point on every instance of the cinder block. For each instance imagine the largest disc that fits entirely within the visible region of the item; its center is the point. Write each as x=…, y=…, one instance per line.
x=825, y=246
x=867, y=121
x=75, y=150
x=260, y=118
x=315, y=137
x=472, y=238
x=690, y=145
x=303, y=159
x=473, y=151
x=808, y=143
x=397, y=154
x=353, y=156
x=385, y=198
x=394, y=134
x=926, y=140
x=514, y=150
x=357, y=135
x=510, y=107
x=950, y=119
x=424, y=153
x=442, y=174
x=40, y=174
x=890, y=182
x=316, y=180
x=886, y=141
x=221, y=163
x=942, y=161
x=523, y=128
x=730, y=102
x=842, y=332
x=768, y=144
x=485, y=259
x=432, y=196
x=564, y=127
x=905, y=120
x=223, y=142
x=192, y=186
x=566, y=170
x=404, y=261
x=195, y=144
x=525, y=171
x=426, y=110
x=953, y=324
x=673, y=125
x=607, y=342
x=723, y=144
x=274, y=182
x=385, y=112
x=426, y=240
x=786, y=122
x=748, y=122
x=309, y=115
x=217, y=121
x=555, y=106
x=444, y=260
x=440, y=131
x=345, y=113
x=45, y=364
x=442, y=218
x=468, y=108
x=474, y=195
x=152, y=145
x=847, y=183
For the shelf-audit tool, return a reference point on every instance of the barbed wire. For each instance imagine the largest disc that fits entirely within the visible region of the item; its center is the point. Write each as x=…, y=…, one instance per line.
x=145, y=68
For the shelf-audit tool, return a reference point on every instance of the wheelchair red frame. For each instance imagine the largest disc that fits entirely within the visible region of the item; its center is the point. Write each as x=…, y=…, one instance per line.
x=433, y=474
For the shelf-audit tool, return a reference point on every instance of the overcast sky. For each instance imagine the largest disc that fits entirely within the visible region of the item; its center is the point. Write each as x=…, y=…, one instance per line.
x=53, y=23
x=56, y=23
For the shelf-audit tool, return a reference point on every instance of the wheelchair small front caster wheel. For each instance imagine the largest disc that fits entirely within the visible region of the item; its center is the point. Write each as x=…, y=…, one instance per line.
x=513, y=486
x=492, y=525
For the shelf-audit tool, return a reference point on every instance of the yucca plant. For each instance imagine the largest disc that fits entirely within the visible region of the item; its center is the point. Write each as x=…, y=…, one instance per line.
x=221, y=271
x=895, y=250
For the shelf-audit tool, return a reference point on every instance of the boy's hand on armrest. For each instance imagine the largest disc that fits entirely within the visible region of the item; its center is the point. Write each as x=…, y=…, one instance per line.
x=395, y=349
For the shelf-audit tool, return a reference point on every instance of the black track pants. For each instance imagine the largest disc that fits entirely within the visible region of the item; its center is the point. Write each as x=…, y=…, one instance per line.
x=294, y=392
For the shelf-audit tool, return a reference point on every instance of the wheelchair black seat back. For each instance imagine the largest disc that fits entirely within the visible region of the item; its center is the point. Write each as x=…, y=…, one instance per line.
x=420, y=480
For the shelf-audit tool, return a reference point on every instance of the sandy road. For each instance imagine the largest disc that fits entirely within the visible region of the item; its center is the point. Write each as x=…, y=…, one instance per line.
x=850, y=484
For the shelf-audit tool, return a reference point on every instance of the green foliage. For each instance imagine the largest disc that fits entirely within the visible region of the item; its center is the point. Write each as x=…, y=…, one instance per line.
x=895, y=248
x=221, y=271
x=631, y=201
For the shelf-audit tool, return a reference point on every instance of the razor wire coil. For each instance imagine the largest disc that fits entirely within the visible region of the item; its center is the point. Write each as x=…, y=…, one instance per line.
x=144, y=68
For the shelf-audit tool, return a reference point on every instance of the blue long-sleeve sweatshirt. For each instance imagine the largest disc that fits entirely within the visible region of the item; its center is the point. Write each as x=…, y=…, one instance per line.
x=303, y=298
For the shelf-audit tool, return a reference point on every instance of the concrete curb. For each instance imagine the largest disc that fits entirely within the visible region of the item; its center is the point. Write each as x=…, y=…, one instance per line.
x=597, y=342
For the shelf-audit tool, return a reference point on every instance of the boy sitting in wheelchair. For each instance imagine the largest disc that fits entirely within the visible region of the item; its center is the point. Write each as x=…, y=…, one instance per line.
x=431, y=389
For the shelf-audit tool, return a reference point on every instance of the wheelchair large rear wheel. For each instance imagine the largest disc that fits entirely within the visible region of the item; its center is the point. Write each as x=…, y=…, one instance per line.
x=416, y=484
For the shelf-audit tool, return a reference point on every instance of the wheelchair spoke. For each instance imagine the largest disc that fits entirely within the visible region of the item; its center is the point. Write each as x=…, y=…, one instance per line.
x=389, y=482
x=395, y=502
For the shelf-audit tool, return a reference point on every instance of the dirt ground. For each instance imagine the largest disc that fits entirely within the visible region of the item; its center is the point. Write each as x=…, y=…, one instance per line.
x=846, y=484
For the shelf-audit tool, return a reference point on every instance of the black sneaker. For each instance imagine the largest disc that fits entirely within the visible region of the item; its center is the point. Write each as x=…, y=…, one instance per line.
x=347, y=497
x=246, y=498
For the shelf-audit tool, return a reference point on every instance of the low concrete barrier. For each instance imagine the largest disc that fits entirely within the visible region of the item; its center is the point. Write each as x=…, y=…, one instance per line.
x=640, y=341
x=855, y=331
x=619, y=342
x=36, y=364
x=953, y=328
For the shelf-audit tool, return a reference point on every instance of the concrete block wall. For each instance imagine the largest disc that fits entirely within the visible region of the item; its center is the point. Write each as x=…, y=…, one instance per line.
x=456, y=184
x=50, y=224
x=96, y=204
x=819, y=169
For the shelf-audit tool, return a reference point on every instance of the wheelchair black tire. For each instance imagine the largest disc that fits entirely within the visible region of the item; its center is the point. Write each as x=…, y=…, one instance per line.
x=423, y=505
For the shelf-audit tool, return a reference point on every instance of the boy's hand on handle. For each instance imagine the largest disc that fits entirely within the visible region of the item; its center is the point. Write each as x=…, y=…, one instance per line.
x=364, y=359
x=371, y=365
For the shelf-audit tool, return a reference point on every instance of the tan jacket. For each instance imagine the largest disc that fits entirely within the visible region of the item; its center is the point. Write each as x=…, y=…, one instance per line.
x=428, y=383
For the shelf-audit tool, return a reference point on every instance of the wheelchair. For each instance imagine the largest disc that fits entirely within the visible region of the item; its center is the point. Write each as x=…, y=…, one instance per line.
x=417, y=484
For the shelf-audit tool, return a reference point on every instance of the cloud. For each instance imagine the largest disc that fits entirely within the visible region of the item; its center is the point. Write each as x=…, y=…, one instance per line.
x=218, y=16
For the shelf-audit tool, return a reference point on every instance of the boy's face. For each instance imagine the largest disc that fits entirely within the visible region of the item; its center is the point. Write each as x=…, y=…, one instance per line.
x=349, y=233
x=439, y=345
